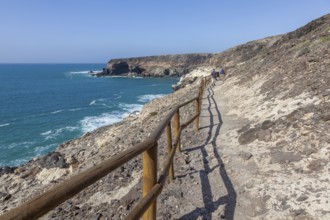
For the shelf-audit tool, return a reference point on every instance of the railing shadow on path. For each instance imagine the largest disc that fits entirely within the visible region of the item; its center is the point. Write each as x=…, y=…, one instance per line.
x=229, y=200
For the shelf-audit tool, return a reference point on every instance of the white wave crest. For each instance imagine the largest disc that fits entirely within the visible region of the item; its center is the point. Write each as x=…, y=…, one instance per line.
x=75, y=109
x=93, y=102
x=129, y=108
x=153, y=85
x=103, y=102
x=149, y=97
x=58, y=111
x=91, y=123
x=52, y=134
x=83, y=72
x=44, y=149
x=4, y=125
x=26, y=144
x=117, y=96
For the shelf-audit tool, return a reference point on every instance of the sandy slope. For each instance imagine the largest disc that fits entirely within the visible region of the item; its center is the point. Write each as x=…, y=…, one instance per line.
x=261, y=179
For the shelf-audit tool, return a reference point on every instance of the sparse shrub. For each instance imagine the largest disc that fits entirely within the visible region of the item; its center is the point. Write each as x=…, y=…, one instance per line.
x=325, y=38
x=303, y=51
x=153, y=113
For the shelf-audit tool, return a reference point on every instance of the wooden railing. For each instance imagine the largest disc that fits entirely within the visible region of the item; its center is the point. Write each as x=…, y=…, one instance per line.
x=152, y=187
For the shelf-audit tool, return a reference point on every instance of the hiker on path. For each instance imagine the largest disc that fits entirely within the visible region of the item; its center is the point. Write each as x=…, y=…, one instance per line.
x=222, y=73
x=214, y=76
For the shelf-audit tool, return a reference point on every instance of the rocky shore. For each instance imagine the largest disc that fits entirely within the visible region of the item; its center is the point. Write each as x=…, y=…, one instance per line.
x=70, y=158
x=262, y=152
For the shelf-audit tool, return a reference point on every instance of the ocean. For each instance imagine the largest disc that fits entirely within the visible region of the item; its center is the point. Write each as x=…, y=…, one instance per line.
x=43, y=105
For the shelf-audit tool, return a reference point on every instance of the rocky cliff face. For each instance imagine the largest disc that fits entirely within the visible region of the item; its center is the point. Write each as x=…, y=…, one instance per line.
x=166, y=65
x=275, y=104
x=296, y=45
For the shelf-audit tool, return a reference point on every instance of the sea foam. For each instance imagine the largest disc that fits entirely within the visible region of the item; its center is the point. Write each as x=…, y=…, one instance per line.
x=91, y=123
x=53, y=134
x=149, y=97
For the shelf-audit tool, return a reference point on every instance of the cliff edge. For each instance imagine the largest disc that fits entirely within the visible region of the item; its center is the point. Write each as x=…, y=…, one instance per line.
x=165, y=65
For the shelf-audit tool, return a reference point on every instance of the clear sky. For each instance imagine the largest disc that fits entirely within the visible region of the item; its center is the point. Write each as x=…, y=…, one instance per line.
x=94, y=31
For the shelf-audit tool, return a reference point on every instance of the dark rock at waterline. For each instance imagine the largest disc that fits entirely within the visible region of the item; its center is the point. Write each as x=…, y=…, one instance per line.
x=137, y=69
x=119, y=68
x=6, y=170
x=53, y=159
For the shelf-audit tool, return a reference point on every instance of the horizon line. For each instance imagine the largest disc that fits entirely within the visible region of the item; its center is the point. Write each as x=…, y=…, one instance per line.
x=52, y=63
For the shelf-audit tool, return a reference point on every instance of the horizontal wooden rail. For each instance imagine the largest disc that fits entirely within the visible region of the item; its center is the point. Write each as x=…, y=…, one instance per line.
x=41, y=204
x=187, y=102
x=161, y=126
x=184, y=125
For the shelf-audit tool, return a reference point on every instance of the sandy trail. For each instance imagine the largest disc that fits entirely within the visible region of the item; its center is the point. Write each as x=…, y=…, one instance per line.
x=210, y=190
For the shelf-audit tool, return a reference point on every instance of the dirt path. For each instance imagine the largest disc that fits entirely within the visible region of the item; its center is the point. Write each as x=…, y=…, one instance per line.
x=205, y=187
x=221, y=147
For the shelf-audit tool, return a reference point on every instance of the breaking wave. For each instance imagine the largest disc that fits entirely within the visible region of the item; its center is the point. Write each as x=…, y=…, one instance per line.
x=149, y=97
x=53, y=134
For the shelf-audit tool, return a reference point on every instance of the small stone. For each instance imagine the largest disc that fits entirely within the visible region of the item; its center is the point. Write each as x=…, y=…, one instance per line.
x=302, y=198
x=298, y=212
x=4, y=196
x=284, y=157
x=326, y=117
x=316, y=165
x=249, y=136
x=245, y=155
x=267, y=124
x=264, y=135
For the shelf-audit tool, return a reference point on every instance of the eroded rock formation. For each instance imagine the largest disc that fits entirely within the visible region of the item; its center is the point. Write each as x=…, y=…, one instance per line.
x=165, y=65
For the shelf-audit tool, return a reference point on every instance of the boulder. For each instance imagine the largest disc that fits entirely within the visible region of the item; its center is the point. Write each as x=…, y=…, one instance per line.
x=53, y=159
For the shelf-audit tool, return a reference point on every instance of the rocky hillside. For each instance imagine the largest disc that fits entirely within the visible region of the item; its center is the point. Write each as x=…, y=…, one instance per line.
x=274, y=139
x=166, y=65
x=275, y=106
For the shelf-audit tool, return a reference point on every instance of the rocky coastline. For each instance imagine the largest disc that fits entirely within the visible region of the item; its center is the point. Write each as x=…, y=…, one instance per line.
x=274, y=140
x=72, y=157
x=154, y=66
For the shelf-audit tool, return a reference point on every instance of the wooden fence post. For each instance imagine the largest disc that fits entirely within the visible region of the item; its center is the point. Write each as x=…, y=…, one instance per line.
x=150, y=179
x=200, y=99
x=169, y=144
x=197, y=112
x=176, y=124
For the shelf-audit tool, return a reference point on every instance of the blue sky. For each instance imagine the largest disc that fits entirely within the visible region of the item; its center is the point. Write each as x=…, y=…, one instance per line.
x=86, y=31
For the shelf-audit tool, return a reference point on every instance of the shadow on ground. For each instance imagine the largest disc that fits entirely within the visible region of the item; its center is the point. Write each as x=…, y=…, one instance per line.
x=229, y=200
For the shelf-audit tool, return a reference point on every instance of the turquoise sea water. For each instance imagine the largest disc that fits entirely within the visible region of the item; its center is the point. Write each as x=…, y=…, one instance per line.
x=43, y=105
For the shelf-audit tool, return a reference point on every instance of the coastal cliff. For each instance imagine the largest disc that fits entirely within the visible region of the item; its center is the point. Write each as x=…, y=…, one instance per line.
x=165, y=65
x=273, y=143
